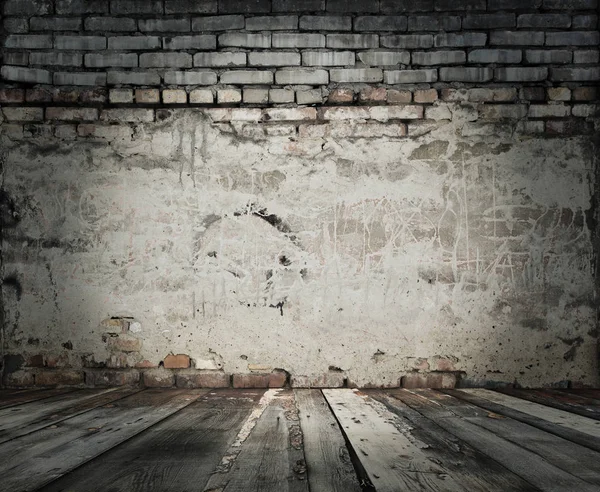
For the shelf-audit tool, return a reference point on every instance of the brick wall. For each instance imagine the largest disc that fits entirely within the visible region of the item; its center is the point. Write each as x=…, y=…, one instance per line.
x=317, y=192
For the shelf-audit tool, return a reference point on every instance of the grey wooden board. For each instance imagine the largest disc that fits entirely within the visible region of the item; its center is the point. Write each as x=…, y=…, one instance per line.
x=574, y=397
x=558, y=417
x=23, y=396
x=392, y=459
x=30, y=461
x=592, y=394
x=267, y=460
x=570, y=457
x=23, y=419
x=474, y=470
x=178, y=454
x=531, y=467
x=327, y=458
x=558, y=430
x=559, y=401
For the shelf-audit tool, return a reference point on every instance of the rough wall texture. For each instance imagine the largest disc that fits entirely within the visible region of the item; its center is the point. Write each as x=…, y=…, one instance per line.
x=322, y=193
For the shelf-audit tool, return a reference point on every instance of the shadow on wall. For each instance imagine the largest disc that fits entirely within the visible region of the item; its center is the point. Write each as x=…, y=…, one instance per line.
x=464, y=250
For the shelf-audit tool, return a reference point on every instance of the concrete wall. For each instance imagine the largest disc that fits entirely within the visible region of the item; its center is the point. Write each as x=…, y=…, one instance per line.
x=372, y=229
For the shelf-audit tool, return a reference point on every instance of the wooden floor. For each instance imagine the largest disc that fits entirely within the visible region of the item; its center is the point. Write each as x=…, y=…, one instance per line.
x=299, y=440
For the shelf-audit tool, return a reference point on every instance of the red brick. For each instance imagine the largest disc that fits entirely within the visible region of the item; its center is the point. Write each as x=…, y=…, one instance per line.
x=159, y=378
x=179, y=361
x=58, y=377
x=277, y=379
x=11, y=95
x=145, y=364
x=38, y=95
x=328, y=380
x=373, y=94
x=204, y=379
x=35, y=360
x=443, y=364
x=425, y=96
x=420, y=364
x=585, y=94
x=436, y=380
x=124, y=343
x=251, y=380
x=398, y=97
x=340, y=96
x=93, y=96
x=18, y=379
x=112, y=377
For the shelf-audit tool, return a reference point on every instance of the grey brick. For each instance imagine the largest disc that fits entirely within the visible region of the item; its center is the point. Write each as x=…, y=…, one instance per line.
x=83, y=43
x=381, y=23
x=220, y=59
x=548, y=111
x=514, y=38
x=23, y=114
x=409, y=76
x=544, y=21
x=314, y=96
x=407, y=41
x=55, y=23
x=175, y=60
x=393, y=6
x=272, y=23
x=570, y=4
x=247, y=77
x=586, y=56
x=488, y=21
x=133, y=78
x=298, y=40
x=306, y=76
x=513, y=4
x=327, y=58
x=384, y=58
x=352, y=6
x=28, y=41
x=53, y=58
x=521, y=74
x=218, y=23
x=16, y=58
x=71, y=7
x=72, y=114
x=572, y=38
x=164, y=25
x=134, y=43
x=466, y=74
x=575, y=74
x=355, y=75
x=273, y=59
x=548, y=56
x=83, y=78
x=244, y=6
x=589, y=21
x=430, y=23
x=133, y=115
x=352, y=41
x=198, y=42
x=280, y=96
x=191, y=7
x=460, y=39
x=503, y=111
x=443, y=5
x=136, y=7
x=29, y=75
x=190, y=78
x=245, y=40
x=438, y=57
x=325, y=23
x=256, y=96
x=495, y=56
x=27, y=7
x=108, y=24
x=16, y=25
x=298, y=5
x=97, y=60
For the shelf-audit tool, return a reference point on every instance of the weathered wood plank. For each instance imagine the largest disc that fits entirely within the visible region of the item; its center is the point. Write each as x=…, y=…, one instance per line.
x=524, y=463
x=10, y=399
x=570, y=457
x=328, y=460
x=555, y=401
x=391, y=459
x=574, y=397
x=567, y=433
x=475, y=471
x=30, y=461
x=178, y=454
x=593, y=394
x=29, y=417
x=558, y=417
x=267, y=454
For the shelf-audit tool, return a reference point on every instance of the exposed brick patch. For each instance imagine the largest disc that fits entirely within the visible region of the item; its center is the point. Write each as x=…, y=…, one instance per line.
x=429, y=380
x=127, y=377
x=251, y=380
x=179, y=361
x=158, y=378
x=124, y=343
x=58, y=377
x=203, y=379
